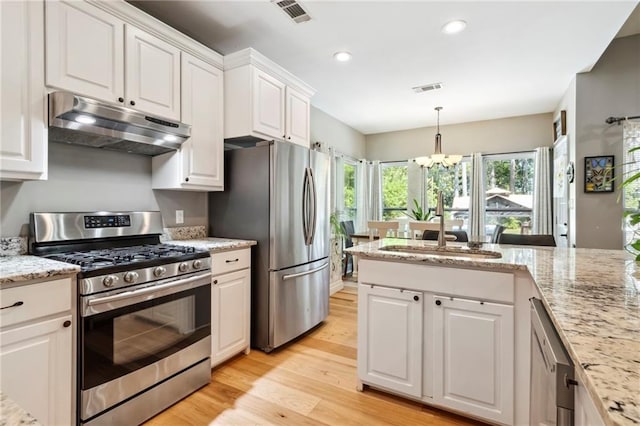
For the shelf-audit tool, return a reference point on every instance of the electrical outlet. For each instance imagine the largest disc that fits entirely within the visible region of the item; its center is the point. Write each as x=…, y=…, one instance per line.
x=179, y=216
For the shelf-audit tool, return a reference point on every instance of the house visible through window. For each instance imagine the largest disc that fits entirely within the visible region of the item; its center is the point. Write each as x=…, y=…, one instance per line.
x=394, y=189
x=509, y=191
x=454, y=182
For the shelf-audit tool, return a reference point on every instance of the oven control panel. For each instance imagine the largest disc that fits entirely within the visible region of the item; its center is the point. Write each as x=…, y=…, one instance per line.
x=111, y=221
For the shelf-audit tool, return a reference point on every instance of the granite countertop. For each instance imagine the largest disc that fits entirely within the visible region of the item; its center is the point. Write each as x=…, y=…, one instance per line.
x=215, y=245
x=24, y=268
x=593, y=298
x=13, y=414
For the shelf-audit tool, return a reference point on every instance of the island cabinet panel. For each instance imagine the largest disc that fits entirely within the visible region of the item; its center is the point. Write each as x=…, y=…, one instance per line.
x=473, y=357
x=390, y=339
x=586, y=412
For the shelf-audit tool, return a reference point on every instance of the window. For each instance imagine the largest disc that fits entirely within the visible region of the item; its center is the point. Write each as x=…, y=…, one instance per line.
x=631, y=191
x=454, y=182
x=349, y=189
x=394, y=189
x=509, y=191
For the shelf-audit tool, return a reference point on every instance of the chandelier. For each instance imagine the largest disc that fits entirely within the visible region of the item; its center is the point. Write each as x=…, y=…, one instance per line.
x=438, y=157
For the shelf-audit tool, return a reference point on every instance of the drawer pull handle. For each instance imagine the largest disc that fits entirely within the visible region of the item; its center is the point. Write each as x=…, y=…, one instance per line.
x=215, y=281
x=20, y=303
x=438, y=302
x=231, y=261
x=67, y=323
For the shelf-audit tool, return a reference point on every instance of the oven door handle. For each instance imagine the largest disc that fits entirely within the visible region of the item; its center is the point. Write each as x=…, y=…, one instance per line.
x=92, y=306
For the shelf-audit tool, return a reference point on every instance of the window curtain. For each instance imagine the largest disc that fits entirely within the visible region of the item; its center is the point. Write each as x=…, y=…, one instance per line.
x=630, y=139
x=415, y=185
x=375, y=191
x=542, y=201
x=478, y=199
x=362, y=196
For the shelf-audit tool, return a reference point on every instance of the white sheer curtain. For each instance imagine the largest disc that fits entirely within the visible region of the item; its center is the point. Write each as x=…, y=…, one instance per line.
x=478, y=199
x=630, y=200
x=375, y=190
x=362, y=196
x=415, y=185
x=542, y=201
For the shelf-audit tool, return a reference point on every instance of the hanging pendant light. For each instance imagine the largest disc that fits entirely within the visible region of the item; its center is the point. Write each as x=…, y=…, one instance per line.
x=438, y=157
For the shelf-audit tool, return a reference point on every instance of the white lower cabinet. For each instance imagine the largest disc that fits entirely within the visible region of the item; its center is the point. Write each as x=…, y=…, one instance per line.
x=586, y=413
x=473, y=363
x=230, y=304
x=390, y=338
x=36, y=350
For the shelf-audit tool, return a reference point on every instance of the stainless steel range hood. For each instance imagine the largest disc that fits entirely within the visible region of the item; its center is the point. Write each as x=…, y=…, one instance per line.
x=84, y=121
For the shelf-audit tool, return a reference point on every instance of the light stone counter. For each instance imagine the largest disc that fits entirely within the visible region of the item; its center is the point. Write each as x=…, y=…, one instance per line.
x=215, y=245
x=12, y=414
x=593, y=299
x=25, y=268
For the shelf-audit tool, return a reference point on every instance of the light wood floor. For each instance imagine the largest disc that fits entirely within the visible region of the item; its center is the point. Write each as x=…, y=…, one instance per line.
x=311, y=381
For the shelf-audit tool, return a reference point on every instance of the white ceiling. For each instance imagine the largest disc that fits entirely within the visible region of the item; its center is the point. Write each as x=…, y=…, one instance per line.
x=514, y=58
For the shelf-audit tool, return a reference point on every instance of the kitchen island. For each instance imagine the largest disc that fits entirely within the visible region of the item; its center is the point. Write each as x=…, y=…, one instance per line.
x=591, y=296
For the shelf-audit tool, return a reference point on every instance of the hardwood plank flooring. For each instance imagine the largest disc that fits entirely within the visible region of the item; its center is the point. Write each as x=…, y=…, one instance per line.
x=311, y=381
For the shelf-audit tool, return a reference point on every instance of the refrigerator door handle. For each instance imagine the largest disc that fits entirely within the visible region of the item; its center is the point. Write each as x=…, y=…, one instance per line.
x=314, y=205
x=300, y=274
x=305, y=206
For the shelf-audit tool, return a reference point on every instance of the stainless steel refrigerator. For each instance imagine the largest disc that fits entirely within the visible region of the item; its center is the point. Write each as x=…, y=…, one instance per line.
x=277, y=193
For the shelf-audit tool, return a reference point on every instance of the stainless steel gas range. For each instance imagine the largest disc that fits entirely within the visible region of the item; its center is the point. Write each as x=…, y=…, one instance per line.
x=144, y=309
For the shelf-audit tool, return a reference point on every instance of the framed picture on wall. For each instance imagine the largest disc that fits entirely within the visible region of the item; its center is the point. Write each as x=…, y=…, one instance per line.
x=598, y=174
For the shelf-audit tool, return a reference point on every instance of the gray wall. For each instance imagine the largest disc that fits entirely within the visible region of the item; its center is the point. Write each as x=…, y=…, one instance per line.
x=332, y=132
x=89, y=179
x=492, y=136
x=612, y=88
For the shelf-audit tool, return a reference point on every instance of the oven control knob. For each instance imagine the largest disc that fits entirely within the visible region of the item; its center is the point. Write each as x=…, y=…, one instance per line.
x=109, y=280
x=183, y=267
x=197, y=264
x=131, y=277
x=159, y=271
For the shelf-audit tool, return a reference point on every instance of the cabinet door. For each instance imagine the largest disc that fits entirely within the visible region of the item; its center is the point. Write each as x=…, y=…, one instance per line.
x=473, y=359
x=297, y=117
x=268, y=105
x=586, y=413
x=390, y=339
x=85, y=50
x=202, y=87
x=152, y=74
x=36, y=363
x=230, y=317
x=23, y=136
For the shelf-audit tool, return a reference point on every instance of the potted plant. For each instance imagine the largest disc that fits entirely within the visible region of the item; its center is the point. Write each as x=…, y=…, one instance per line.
x=417, y=213
x=337, y=243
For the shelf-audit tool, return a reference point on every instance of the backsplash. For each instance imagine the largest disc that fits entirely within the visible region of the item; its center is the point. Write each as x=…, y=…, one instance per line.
x=13, y=246
x=185, y=233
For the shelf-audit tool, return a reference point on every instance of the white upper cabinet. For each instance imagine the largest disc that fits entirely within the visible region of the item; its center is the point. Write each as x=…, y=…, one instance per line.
x=298, y=117
x=23, y=135
x=85, y=50
x=264, y=101
x=268, y=105
x=152, y=74
x=199, y=163
x=87, y=53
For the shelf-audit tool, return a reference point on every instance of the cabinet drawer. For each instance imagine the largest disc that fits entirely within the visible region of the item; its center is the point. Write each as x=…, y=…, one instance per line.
x=38, y=300
x=228, y=261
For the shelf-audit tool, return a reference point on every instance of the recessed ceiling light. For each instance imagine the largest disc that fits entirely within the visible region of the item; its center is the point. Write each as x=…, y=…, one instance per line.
x=342, y=56
x=85, y=119
x=454, y=27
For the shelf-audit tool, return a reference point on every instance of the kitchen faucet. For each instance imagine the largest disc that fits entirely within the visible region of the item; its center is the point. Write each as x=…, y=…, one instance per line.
x=442, y=241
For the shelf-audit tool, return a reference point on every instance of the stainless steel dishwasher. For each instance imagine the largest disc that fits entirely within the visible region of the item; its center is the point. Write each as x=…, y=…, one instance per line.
x=552, y=373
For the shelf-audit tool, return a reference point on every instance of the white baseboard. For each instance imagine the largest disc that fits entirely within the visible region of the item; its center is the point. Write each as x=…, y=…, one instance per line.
x=335, y=287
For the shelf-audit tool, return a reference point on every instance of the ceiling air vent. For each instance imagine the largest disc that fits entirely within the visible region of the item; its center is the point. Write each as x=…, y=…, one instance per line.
x=427, y=87
x=293, y=9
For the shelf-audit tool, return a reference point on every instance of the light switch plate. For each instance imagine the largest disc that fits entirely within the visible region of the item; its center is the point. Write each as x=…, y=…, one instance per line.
x=179, y=216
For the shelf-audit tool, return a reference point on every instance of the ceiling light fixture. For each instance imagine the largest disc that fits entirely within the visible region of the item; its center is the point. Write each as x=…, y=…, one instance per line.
x=454, y=27
x=342, y=56
x=438, y=157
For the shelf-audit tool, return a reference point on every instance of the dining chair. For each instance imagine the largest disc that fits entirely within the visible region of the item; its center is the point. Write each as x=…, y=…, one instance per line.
x=461, y=236
x=450, y=224
x=528, y=239
x=497, y=231
x=417, y=228
x=348, y=229
x=382, y=228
